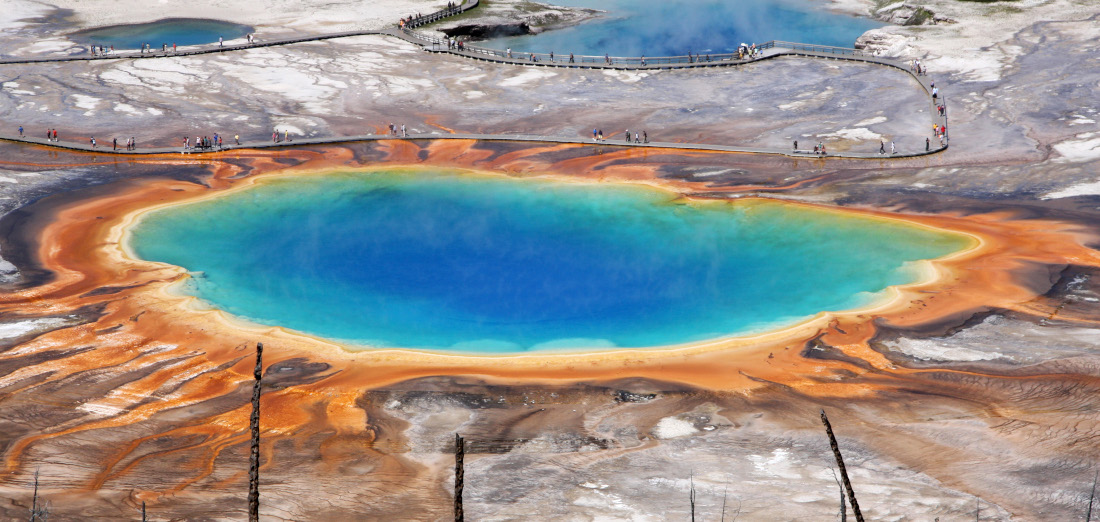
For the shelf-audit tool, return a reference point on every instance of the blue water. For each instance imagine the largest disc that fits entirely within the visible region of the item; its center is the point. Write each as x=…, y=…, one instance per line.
x=676, y=27
x=179, y=31
x=456, y=261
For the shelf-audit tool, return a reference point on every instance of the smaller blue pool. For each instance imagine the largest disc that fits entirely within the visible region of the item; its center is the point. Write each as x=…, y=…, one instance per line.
x=178, y=31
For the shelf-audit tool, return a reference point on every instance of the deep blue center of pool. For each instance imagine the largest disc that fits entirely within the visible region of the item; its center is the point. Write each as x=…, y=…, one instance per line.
x=178, y=31
x=457, y=261
x=677, y=27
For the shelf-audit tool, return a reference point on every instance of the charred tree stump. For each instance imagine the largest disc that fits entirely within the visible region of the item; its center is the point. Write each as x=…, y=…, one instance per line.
x=460, y=454
x=254, y=452
x=840, y=464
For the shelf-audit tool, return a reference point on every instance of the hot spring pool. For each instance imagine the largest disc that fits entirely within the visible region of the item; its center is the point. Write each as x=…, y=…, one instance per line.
x=179, y=31
x=677, y=27
x=460, y=261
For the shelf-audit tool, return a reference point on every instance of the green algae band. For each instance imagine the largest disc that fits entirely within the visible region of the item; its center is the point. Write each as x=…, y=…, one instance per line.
x=462, y=262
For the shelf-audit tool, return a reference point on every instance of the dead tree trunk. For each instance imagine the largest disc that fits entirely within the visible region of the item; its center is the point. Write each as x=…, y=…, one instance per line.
x=843, y=506
x=460, y=453
x=254, y=452
x=691, y=496
x=840, y=464
x=34, y=499
x=1092, y=496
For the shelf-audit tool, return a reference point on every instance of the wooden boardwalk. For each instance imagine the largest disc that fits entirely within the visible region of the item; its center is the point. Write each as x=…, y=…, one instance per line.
x=768, y=51
x=228, y=148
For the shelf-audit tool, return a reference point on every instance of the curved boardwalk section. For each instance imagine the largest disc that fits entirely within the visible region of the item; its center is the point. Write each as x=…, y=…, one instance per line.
x=406, y=30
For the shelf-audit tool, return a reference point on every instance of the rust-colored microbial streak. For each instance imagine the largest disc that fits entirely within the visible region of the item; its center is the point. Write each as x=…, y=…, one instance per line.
x=179, y=358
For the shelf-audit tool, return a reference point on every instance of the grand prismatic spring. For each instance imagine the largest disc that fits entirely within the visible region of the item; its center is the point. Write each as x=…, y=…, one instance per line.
x=428, y=241
x=445, y=261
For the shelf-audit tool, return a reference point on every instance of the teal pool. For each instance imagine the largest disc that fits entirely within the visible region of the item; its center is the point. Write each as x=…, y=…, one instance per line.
x=178, y=31
x=677, y=27
x=457, y=261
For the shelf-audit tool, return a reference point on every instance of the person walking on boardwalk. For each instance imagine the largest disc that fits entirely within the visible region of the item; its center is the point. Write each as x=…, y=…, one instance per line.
x=114, y=144
x=275, y=136
x=55, y=134
x=645, y=137
x=595, y=137
x=286, y=135
x=627, y=135
x=881, y=147
x=892, y=149
x=20, y=131
x=637, y=139
x=601, y=135
x=403, y=133
x=93, y=141
x=237, y=138
x=570, y=57
x=221, y=42
x=795, y=147
x=927, y=145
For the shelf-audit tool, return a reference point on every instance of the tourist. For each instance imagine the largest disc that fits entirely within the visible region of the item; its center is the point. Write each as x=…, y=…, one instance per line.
x=601, y=135
x=221, y=42
x=286, y=135
x=935, y=93
x=93, y=141
x=881, y=147
x=114, y=144
x=643, y=60
x=892, y=149
x=55, y=134
x=20, y=131
x=795, y=147
x=645, y=137
x=595, y=136
x=275, y=136
x=48, y=137
x=509, y=52
x=570, y=57
x=637, y=138
x=627, y=135
x=927, y=145
x=173, y=47
x=403, y=133
x=237, y=138
x=551, y=56
x=822, y=149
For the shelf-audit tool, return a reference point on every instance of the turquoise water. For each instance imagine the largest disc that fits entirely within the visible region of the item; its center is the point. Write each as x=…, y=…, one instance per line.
x=179, y=31
x=455, y=261
x=676, y=27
